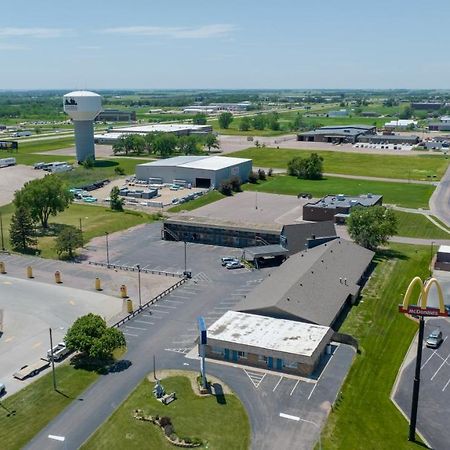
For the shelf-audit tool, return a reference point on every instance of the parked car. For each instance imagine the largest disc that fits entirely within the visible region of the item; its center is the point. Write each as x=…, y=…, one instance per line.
x=434, y=339
x=228, y=259
x=234, y=265
x=59, y=352
x=2, y=389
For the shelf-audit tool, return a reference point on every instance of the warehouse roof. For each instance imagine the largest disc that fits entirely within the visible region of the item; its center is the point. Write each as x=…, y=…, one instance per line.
x=162, y=127
x=345, y=201
x=311, y=286
x=197, y=162
x=264, y=332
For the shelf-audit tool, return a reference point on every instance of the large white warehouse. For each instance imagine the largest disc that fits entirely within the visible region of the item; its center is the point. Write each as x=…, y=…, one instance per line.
x=199, y=171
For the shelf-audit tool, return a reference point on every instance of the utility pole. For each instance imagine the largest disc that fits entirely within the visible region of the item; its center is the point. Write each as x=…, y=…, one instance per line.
x=1, y=227
x=107, y=248
x=431, y=258
x=53, y=359
x=185, y=257
x=139, y=284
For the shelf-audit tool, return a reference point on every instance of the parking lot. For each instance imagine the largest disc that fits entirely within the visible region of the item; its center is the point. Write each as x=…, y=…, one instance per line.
x=434, y=398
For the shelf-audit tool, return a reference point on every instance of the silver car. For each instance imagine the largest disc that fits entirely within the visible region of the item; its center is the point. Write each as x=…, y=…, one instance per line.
x=434, y=340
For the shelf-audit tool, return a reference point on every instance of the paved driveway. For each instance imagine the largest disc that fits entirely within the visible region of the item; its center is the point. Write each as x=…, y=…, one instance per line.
x=434, y=398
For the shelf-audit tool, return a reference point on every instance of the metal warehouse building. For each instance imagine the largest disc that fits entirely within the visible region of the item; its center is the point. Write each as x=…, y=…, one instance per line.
x=199, y=171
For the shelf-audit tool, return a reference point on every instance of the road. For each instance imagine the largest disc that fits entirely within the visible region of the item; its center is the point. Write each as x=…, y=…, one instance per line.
x=440, y=200
x=169, y=333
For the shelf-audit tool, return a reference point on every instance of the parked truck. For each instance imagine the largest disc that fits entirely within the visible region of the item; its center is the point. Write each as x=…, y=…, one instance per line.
x=59, y=352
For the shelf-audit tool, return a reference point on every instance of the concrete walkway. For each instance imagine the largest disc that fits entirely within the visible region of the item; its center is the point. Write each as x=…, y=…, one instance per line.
x=440, y=200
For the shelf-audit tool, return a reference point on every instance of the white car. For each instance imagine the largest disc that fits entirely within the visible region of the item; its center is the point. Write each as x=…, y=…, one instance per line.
x=234, y=265
x=228, y=260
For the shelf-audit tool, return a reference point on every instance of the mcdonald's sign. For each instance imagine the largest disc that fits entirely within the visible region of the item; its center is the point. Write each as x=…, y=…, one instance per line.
x=423, y=309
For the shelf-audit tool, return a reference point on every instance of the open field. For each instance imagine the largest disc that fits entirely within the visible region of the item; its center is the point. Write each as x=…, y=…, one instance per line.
x=364, y=417
x=221, y=423
x=418, y=226
x=210, y=197
x=417, y=167
x=25, y=413
x=407, y=195
x=96, y=220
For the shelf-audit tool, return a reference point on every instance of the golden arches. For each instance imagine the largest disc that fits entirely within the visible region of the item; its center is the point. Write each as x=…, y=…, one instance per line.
x=424, y=292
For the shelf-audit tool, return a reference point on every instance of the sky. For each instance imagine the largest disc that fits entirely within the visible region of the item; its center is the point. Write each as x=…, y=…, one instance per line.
x=229, y=44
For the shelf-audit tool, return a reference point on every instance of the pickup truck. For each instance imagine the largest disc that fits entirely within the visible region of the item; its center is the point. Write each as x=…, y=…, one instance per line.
x=31, y=370
x=59, y=351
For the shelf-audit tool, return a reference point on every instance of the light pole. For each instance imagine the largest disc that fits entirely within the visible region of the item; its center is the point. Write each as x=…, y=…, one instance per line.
x=53, y=359
x=107, y=248
x=431, y=258
x=139, y=284
x=185, y=257
x=1, y=227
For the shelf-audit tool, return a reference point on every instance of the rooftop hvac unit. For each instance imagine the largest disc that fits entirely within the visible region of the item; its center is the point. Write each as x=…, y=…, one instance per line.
x=341, y=197
x=369, y=195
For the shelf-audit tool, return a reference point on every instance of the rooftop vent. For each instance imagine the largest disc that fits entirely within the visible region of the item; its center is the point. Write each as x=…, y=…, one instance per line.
x=369, y=195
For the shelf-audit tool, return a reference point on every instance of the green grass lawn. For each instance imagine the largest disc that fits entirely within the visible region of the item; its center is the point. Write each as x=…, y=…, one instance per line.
x=46, y=145
x=24, y=414
x=364, y=416
x=416, y=167
x=408, y=195
x=222, y=425
x=206, y=199
x=95, y=221
x=418, y=226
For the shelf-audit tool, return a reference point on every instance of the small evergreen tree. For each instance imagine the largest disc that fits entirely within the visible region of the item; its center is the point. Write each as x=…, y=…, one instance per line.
x=22, y=231
x=116, y=202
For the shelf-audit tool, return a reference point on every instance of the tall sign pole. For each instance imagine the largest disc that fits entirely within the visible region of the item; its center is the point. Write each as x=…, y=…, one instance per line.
x=422, y=310
x=202, y=349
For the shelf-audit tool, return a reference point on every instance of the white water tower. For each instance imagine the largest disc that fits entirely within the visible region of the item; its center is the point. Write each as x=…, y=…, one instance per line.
x=83, y=107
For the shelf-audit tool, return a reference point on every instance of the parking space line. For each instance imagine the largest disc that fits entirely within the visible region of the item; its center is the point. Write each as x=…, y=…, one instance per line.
x=312, y=390
x=288, y=416
x=164, y=306
x=129, y=334
x=144, y=321
x=293, y=389
x=432, y=354
x=279, y=381
x=177, y=302
x=446, y=384
x=160, y=311
x=180, y=296
x=440, y=367
x=135, y=328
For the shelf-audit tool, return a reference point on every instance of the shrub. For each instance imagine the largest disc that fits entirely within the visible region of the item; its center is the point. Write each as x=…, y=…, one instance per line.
x=119, y=170
x=270, y=172
x=252, y=177
x=226, y=188
x=235, y=182
x=165, y=421
x=262, y=174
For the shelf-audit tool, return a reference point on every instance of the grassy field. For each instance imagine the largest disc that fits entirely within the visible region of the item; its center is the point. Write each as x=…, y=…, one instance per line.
x=364, y=417
x=416, y=167
x=221, y=423
x=210, y=197
x=95, y=221
x=25, y=413
x=418, y=226
x=408, y=195
x=46, y=145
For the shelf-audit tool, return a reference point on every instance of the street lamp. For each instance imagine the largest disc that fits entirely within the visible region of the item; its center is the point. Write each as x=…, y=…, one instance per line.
x=431, y=258
x=52, y=357
x=107, y=248
x=139, y=284
x=1, y=227
x=185, y=257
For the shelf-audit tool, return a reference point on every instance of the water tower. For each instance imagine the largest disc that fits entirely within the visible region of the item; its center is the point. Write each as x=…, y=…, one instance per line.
x=83, y=107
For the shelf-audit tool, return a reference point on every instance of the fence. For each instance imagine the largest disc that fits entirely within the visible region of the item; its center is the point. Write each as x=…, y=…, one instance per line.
x=150, y=302
x=135, y=269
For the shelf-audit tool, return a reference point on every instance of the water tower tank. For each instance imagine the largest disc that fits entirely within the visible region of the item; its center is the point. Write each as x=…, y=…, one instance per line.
x=83, y=107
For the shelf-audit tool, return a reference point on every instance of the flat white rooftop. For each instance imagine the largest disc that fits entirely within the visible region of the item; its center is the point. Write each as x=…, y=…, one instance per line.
x=197, y=162
x=266, y=332
x=162, y=127
x=444, y=249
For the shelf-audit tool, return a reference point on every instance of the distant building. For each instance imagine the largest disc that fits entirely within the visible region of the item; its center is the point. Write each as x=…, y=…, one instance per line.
x=116, y=115
x=389, y=139
x=214, y=108
x=337, y=134
x=369, y=114
x=427, y=106
x=340, y=113
x=442, y=125
x=400, y=124
x=338, y=207
x=2, y=127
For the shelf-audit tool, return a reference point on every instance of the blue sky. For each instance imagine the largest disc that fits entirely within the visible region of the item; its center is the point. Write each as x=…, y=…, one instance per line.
x=227, y=44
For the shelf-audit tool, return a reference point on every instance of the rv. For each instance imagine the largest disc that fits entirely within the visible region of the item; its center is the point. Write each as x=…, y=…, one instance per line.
x=5, y=162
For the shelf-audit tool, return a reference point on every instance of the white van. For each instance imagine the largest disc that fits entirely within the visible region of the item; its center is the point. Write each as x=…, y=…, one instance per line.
x=5, y=162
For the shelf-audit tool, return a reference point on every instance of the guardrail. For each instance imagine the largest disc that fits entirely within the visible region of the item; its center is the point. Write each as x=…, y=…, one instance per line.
x=150, y=302
x=135, y=269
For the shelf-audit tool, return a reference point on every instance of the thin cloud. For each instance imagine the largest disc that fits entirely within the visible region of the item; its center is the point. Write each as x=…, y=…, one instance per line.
x=32, y=32
x=201, y=32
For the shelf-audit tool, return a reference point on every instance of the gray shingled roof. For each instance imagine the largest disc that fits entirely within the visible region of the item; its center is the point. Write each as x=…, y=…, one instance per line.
x=311, y=286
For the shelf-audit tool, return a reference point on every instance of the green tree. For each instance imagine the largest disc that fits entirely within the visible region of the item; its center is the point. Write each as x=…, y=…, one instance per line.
x=124, y=144
x=226, y=187
x=43, y=197
x=406, y=113
x=68, y=240
x=21, y=231
x=188, y=145
x=259, y=122
x=245, y=124
x=211, y=141
x=272, y=121
x=116, y=201
x=149, y=142
x=225, y=120
x=371, y=227
x=199, y=119
x=91, y=336
x=138, y=144
x=310, y=168
x=88, y=163
x=165, y=144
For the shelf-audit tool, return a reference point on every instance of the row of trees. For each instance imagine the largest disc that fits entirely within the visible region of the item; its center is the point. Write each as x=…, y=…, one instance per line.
x=164, y=144
x=260, y=122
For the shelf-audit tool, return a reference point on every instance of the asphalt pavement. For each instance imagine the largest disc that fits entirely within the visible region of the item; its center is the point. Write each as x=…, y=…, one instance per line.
x=440, y=200
x=167, y=330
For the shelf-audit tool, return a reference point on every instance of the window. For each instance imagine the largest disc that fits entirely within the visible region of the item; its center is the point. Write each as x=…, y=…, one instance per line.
x=242, y=355
x=290, y=364
x=216, y=350
x=262, y=358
